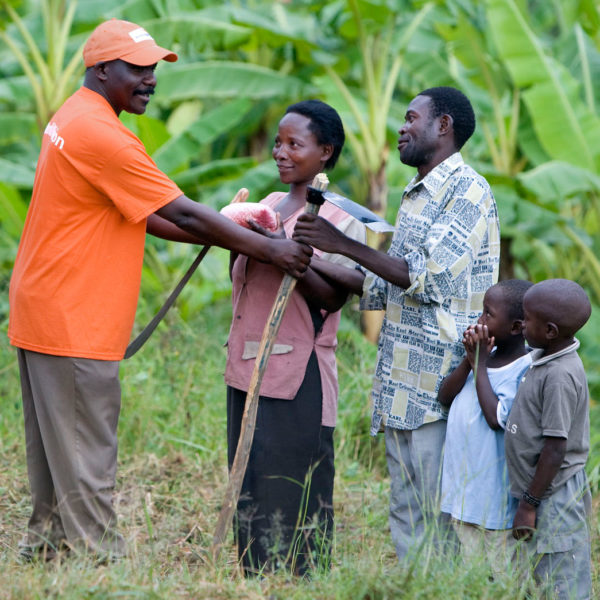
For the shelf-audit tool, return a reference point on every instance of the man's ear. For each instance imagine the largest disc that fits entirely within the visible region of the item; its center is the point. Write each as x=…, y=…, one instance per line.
x=446, y=124
x=551, y=330
x=100, y=71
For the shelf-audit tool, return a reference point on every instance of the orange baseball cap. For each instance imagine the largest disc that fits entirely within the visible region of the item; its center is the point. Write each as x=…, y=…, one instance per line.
x=121, y=39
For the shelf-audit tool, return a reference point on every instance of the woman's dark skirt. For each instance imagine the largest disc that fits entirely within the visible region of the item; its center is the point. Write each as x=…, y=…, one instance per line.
x=285, y=513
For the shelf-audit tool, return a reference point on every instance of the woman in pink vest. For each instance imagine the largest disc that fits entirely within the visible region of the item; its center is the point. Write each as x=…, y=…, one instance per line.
x=285, y=513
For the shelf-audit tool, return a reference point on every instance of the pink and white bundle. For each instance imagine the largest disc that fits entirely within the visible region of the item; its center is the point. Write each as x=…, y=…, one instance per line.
x=242, y=212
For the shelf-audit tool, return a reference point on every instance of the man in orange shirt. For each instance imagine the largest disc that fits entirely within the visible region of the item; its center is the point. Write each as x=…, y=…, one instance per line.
x=75, y=284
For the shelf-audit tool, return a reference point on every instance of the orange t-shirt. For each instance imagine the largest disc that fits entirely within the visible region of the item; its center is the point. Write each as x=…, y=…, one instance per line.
x=76, y=278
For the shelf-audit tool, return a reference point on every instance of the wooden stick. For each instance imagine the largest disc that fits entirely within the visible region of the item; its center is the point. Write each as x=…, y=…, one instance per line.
x=238, y=469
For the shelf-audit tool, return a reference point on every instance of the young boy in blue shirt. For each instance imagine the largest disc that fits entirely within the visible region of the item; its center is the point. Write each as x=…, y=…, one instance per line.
x=475, y=490
x=547, y=443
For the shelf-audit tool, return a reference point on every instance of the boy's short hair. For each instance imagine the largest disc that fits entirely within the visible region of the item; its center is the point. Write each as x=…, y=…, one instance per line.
x=562, y=302
x=514, y=291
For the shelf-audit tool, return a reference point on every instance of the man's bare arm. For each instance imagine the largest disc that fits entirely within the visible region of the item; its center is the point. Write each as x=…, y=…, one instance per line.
x=324, y=285
x=161, y=228
x=212, y=228
x=318, y=232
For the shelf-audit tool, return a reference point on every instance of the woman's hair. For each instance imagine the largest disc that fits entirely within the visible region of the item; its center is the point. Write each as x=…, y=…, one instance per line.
x=325, y=124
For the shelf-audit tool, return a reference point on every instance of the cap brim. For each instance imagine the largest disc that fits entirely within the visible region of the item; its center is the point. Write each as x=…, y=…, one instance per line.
x=143, y=57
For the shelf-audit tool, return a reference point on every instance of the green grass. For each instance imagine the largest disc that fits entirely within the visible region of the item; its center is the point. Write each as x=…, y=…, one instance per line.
x=172, y=475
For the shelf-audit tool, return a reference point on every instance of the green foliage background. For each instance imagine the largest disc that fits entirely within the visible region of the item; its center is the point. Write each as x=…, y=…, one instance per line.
x=530, y=67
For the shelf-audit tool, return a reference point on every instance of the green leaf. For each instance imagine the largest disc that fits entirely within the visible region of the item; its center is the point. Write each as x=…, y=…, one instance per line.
x=180, y=149
x=16, y=91
x=225, y=80
x=214, y=171
x=516, y=43
x=259, y=180
x=13, y=210
x=275, y=25
x=194, y=31
x=566, y=128
x=153, y=132
x=530, y=144
x=508, y=201
x=16, y=174
x=97, y=11
x=182, y=115
x=16, y=127
x=586, y=67
x=557, y=180
x=378, y=11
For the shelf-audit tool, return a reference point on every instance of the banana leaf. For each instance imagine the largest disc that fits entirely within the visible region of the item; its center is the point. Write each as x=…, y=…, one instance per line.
x=13, y=211
x=16, y=92
x=555, y=181
x=15, y=174
x=152, y=131
x=276, y=25
x=225, y=80
x=180, y=149
x=15, y=127
x=567, y=128
x=196, y=32
x=214, y=171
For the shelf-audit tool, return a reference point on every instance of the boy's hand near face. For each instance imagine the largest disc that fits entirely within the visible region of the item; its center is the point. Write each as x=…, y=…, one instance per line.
x=478, y=345
x=474, y=335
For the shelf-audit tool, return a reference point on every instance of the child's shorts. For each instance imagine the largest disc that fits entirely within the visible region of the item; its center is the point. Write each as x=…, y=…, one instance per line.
x=495, y=546
x=559, y=551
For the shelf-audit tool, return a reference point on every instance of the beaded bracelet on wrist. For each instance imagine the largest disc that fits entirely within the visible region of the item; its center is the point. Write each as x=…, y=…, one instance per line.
x=531, y=499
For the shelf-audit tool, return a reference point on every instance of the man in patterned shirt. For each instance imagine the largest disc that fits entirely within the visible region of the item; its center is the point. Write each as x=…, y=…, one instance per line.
x=444, y=255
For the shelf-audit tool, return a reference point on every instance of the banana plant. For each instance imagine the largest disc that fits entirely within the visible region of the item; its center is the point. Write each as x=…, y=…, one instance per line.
x=565, y=204
x=561, y=105
x=377, y=35
x=552, y=95
x=41, y=67
x=52, y=74
x=514, y=65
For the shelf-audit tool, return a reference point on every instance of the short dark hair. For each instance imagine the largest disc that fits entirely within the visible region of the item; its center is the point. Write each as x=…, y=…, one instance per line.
x=450, y=101
x=562, y=302
x=513, y=292
x=325, y=124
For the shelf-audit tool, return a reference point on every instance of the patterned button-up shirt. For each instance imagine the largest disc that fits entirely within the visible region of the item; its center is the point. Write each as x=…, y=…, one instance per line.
x=447, y=230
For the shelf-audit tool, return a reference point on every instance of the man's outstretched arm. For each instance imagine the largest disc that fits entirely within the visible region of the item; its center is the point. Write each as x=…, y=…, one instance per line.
x=207, y=226
x=161, y=228
x=318, y=232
